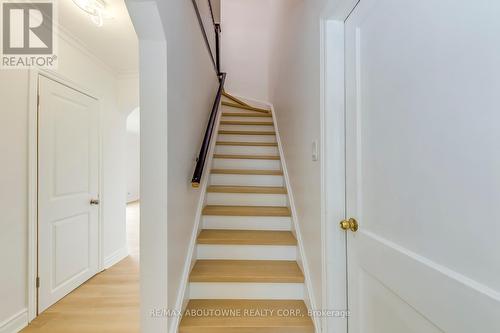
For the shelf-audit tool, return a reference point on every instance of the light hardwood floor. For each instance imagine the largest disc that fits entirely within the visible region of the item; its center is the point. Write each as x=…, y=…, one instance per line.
x=107, y=303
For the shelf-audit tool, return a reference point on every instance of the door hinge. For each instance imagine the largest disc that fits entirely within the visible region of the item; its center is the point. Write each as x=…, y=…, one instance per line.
x=38, y=282
x=37, y=101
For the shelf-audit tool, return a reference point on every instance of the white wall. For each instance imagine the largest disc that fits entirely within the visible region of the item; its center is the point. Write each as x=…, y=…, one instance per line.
x=246, y=38
x=295, y=93
x=13, y=192
x=133, y=163
x=173, y=122
x=128, y=92
x=272, y=51
x=77, y=66
x=192, y=86
x=296, y=76
x=128, y=104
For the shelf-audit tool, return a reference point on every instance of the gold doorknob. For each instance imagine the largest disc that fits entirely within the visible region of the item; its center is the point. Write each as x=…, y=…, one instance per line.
x=350, y=224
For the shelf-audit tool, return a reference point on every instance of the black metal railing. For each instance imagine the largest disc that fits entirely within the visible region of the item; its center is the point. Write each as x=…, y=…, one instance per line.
x=210, y=30
x=217, y=48
x=211, y=33
x=200, y=163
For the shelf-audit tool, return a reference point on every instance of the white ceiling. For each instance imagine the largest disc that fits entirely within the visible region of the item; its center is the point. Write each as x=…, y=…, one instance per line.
x=115, y=43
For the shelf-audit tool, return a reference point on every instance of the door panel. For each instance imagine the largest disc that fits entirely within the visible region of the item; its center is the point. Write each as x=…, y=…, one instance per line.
x=71, y=152
x=68, y=138
x=69, y=234
x=422, y=165
x=395, y=314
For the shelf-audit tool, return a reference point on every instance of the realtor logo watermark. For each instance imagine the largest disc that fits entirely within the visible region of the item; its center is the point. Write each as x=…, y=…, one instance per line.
x=28, y=34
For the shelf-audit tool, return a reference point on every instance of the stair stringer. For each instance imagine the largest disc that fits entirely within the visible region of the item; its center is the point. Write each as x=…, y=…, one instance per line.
x=183, y=294
x=302, y=261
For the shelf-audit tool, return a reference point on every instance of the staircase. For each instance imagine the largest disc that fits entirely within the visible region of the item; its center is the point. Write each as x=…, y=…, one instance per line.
x=246, y=277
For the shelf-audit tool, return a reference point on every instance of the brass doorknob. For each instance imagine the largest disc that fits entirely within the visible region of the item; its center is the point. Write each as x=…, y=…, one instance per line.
x=350, y=224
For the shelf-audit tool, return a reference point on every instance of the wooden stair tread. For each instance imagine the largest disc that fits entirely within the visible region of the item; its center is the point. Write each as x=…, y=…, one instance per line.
x=241, y=320
x=257, y=271
x=247, y=132
x=244, y=107
x=246, y=237
x=220, y=210
x=255, y=123
x=240, y=143
x=246, y=114
x=247, y=172
x=234, y=99
x=246, y=189
x=247, y=157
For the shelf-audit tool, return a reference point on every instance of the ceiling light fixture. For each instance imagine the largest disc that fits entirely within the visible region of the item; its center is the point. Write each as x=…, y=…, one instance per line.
x=96, y=9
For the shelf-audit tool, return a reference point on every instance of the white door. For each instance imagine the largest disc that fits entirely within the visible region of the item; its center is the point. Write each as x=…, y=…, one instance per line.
x=68, y=165
x=423, y=166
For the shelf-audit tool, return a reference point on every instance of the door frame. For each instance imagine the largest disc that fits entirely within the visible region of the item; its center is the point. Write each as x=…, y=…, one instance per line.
x=333, y=177
x=34, y=75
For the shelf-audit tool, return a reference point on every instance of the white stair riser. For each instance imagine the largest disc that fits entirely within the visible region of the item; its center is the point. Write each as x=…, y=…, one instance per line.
x=247, y=199
x=246, y=252
x=236, y=118
x=246, y=138
x=246, y=150
x=247, y=222
x=226, y=108
x=232, y=290
x=246, y=128
x=246, y=180
x=246, y=164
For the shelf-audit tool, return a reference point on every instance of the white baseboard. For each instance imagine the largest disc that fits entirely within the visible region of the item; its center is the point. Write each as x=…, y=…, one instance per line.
x=15, y=323
x=115, y=257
